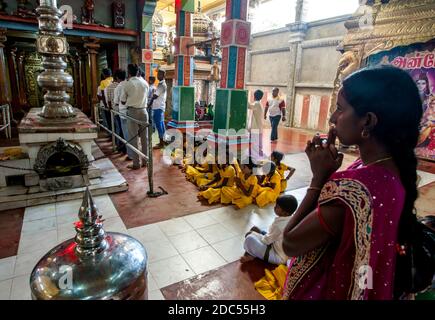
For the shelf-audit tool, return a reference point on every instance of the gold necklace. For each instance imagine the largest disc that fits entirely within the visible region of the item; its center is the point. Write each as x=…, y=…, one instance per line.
x=378, y=161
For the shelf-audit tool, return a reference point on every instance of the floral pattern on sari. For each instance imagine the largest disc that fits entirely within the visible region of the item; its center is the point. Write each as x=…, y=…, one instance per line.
x=359, y=200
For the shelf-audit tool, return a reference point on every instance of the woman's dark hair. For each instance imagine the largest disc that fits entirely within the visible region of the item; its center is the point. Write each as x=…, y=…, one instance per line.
x=249, y=163
x=278, y=156
x=393, y=96
x=288, y=203
x=258, y=95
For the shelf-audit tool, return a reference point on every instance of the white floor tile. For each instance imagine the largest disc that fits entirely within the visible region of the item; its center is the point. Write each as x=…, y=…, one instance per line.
x=45, y=240
x=171, y=270
x=155, y=295
x=67, y=218
x=5, y=289
x=7, y=267
x=21, y=288
x=188, y=241
x=231, y=250
x=37, y=226
x=68, y=207
x=147, y=233
x=152, y=284
x=238, y=226
x=114, y=224
x=160, y=249
x=105, y=206
x=200, y=220
x=27, y=261
x=215, y=233
x=174, y=226
x=39, y=212
x=204, y=259
x=65, y=232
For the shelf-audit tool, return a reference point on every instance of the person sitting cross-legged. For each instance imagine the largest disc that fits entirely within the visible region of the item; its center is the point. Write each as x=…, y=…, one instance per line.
x=267, y=246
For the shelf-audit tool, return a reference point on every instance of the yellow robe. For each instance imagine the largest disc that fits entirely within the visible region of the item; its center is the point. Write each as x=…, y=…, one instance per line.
x=236, y=196
x=213, y=195
x=272, y=284
x=268, y=195
x=282, y=168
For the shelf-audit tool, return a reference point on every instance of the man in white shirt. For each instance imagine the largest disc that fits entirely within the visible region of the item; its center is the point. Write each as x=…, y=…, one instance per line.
x=135, y=97
x=256, y=129
x=276, y=107
x=159, y=107
x=123, y=109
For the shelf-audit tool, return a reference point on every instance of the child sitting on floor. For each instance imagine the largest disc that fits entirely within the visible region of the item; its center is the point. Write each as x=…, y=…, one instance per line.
x=268, y=246
x=213, y=190
x=270, y=186
x=244, y=191
x=277, y=157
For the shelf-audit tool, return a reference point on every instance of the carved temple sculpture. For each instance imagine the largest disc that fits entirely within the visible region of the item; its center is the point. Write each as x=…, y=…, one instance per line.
x=401, y=34
x=25, y=9
x=88, y=12
x=380, y=26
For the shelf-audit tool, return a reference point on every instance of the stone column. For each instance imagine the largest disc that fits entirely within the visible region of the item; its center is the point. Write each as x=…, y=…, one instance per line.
x=183, y=93
x=92, y=45
x=232, y=98
x=4, y=83
x=298, y=32
x=22, y=81
x=17, y=108
x=83, y=55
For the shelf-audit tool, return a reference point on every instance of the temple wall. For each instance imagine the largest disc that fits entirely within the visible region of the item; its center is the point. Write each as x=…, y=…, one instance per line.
x=304, y=75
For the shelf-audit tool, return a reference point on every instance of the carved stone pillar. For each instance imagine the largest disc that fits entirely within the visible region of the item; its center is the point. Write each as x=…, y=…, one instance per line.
x=84, y=102
x=22, y=96
x=4, y=85
x=75, y=64
x=92, y=45
x=17, y=109
x=298, y=31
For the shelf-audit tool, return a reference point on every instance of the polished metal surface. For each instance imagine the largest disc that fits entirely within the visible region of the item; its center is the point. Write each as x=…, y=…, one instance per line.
x=93, y=265
x=52, y=46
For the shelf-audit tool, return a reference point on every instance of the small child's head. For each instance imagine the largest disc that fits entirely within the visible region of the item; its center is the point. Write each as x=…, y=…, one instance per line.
x=285, y=205
x=248, y=167
x=258, y=95
x=277, y=157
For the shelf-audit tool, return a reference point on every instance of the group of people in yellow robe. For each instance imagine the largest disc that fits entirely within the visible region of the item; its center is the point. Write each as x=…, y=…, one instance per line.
x=239, y=184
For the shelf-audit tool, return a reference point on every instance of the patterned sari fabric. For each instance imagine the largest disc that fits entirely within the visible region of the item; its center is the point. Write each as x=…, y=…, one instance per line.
x=359, y=263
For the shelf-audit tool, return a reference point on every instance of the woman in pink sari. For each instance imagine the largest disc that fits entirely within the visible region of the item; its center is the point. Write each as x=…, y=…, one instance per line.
x=345, y=233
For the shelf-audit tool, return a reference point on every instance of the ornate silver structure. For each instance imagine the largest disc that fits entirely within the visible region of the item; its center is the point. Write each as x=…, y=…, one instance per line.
x=52, y=46
x=93, y=265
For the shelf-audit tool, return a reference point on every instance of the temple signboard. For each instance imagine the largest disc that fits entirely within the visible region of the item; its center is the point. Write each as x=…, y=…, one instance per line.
x=419, y=61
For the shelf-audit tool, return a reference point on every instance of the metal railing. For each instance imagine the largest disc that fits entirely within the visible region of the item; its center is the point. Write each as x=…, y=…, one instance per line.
x=143, y=126
x=6, y=115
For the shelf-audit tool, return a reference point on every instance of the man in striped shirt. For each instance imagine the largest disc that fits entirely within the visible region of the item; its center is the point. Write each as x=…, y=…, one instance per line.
x=276, y=108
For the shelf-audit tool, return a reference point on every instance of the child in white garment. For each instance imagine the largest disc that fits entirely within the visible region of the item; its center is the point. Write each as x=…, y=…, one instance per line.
x=268, y=245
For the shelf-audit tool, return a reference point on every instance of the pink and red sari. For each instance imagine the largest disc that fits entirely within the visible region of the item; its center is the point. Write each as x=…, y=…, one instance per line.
x=359, y=263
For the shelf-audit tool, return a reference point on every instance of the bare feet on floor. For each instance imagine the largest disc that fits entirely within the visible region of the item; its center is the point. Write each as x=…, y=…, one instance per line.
x=246, y=258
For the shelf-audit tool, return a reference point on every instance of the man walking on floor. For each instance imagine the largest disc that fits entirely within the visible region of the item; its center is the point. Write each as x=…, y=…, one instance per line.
x=135, y=97
x=159, y=107
x=276, y=108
